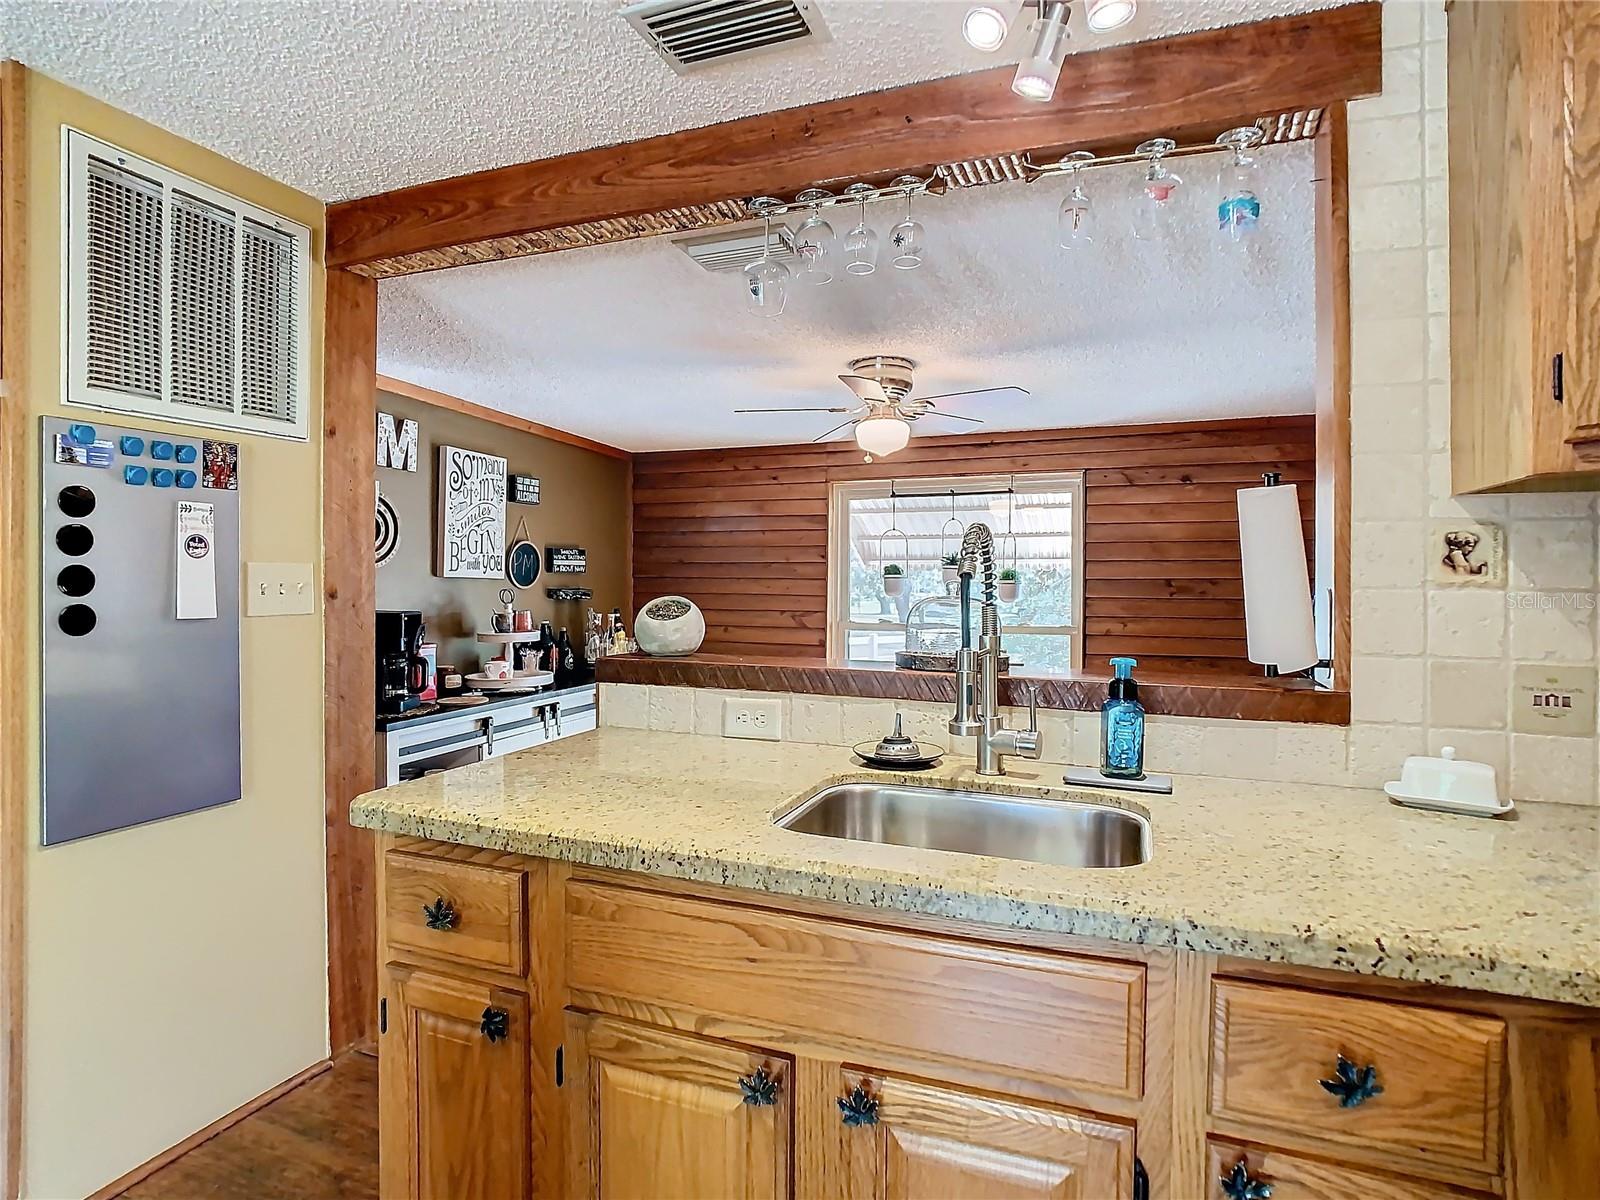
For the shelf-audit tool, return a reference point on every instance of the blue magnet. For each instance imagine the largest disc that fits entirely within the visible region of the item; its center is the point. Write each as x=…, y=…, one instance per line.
x=187, y=453
x=131, y=446
x=161, y=477
x=161, y=450
x=82, y=434
x=186, y=479
x=135, y=475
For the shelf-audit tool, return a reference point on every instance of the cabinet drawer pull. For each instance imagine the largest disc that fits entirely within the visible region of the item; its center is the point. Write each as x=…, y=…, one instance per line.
x=759, y=1089
x=1239, y=1184
x=496, y=1023
x=441, y=914
x=858, y=1108
x=1354, y=1086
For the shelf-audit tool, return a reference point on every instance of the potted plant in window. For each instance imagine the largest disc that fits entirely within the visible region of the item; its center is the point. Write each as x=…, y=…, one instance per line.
x=950, y=567
x=894, y=579
x=1010, y=585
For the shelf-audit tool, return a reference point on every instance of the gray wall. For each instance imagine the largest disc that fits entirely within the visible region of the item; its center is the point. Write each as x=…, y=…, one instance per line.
x=583, y=502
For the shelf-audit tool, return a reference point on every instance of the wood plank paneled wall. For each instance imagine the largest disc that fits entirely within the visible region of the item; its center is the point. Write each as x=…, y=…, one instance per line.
x=744, y=532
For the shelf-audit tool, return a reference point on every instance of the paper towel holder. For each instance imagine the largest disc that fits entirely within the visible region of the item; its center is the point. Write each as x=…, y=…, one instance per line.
x=1270, y=670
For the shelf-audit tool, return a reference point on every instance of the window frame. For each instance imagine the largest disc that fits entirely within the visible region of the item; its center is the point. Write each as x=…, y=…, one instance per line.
x=840, y=494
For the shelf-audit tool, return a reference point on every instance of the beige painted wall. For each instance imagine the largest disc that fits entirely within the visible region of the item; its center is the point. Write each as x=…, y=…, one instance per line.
x=583, y=502
x=177, y=970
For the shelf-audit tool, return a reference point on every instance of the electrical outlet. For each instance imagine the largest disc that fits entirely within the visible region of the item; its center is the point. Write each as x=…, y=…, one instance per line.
x=761, y=719
x=278, y=589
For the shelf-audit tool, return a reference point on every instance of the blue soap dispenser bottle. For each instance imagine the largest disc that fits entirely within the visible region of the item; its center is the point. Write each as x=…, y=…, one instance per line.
x=1122, y=724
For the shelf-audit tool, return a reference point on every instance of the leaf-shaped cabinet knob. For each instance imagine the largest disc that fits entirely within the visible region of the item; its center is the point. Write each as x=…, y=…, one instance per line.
x=496, y=1024
x=760, y=1088
x=1353, y=1085
x=1239, y=1184
x=858, y=1108
x=441, y=914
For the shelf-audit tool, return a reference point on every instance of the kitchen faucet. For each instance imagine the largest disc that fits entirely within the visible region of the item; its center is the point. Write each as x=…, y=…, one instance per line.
x=978, y=671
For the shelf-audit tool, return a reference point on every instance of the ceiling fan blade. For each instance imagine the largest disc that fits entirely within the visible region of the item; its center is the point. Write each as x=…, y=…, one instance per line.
x=822, y=437
x=936, y=412
x=834, y=409
x=973, y=392
x=865, y=389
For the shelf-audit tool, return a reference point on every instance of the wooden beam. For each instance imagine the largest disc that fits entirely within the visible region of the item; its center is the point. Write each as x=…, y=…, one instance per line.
x=14, y=637
x=1106, y=97
x=1333, y=379
x=349, y=455
x=415, y=391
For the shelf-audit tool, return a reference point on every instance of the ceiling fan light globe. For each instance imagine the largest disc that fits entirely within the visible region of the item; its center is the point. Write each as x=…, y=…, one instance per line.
x=882, y=436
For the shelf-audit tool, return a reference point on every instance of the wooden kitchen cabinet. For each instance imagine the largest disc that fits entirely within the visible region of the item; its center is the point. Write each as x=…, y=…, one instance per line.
x=654, y=1115
x=1524, y=132
x=662, y=1039
x=923, y=1141
x=453, y=1099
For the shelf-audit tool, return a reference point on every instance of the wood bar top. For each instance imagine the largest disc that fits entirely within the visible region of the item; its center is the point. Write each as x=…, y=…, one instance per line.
x=1194, y=694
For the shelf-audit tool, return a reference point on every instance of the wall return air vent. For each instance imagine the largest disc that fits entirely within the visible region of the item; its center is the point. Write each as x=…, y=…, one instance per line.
x=691, y=34
x=182, y=302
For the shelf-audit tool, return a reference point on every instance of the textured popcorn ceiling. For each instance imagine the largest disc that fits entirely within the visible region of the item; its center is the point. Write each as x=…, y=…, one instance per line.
x=344, y=99
x=634, y=345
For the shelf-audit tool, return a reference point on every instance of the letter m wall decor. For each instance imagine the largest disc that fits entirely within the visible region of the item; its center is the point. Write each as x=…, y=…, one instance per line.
x=472, y=515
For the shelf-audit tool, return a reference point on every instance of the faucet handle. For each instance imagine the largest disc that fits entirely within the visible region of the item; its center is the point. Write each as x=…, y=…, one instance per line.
x=1031, y=691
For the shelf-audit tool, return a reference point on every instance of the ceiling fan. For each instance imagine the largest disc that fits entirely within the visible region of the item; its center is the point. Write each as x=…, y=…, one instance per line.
x=882, y=420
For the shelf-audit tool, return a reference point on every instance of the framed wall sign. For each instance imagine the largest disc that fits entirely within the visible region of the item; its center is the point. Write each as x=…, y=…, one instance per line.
x=566, y=560
x=524, y=489
x=472, y=514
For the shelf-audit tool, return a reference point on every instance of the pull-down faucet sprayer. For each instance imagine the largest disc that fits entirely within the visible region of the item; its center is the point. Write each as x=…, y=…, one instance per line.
x=977, y=711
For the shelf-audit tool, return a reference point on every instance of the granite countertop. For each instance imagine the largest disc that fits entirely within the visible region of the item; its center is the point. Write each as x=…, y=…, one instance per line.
x=1315, y=876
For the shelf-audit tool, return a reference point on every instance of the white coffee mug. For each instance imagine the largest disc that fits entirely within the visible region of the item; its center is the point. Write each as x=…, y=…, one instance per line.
x=497, y=668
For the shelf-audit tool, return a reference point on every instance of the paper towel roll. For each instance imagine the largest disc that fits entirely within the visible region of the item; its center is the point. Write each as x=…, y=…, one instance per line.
x=1279, y=628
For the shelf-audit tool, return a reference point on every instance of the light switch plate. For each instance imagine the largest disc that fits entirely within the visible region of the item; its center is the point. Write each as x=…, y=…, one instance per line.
x=278, y=589
x=759, y=719
x=1554, y=700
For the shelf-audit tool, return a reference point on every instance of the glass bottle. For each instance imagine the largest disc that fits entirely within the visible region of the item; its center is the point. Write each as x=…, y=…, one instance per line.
x=1122, y=724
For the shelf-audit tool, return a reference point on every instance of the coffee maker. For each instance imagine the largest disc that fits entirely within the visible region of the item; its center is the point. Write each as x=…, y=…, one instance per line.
x=402, y=671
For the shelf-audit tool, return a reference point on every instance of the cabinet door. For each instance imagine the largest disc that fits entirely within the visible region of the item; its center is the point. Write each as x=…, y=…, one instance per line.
x=654, y=1115
x=454, y=1089
x=1236, y=1170
x=928, y=1142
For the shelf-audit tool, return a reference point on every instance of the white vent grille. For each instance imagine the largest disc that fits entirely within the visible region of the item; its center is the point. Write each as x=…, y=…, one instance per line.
x=122, y=284
x=182, y=301
x=735, y=249
x=691, y=34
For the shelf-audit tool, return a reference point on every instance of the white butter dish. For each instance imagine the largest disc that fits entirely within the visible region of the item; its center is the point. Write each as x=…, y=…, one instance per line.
x=1448, y=784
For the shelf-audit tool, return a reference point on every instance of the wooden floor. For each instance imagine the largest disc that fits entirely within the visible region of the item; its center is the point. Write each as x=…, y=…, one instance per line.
x=318, y=1142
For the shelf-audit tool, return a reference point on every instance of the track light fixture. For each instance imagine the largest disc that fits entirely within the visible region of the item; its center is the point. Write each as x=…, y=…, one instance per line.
x=1037, y=74
x=986, y=26
x=1102, y=16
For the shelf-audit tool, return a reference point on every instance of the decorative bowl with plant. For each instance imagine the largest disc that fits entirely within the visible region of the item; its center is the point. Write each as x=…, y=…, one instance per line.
x=894, y=579
x=1010, y=585
x=950, y=567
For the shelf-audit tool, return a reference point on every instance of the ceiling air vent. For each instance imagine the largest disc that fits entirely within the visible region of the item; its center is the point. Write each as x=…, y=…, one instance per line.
x=735, y=249
x=691, y=34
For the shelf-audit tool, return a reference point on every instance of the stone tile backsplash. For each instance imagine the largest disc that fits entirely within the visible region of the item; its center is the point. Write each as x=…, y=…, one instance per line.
x=1433, y=662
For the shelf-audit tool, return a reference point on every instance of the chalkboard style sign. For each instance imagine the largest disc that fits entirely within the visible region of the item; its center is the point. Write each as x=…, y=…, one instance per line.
x=472, y=514
x=524, y=489
x=566, y=560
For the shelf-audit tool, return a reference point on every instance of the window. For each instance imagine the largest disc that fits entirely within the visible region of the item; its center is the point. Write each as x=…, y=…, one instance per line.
x=1044, y=516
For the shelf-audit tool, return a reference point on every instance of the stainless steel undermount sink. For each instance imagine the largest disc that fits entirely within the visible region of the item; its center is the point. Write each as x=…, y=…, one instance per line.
x=1064, y=833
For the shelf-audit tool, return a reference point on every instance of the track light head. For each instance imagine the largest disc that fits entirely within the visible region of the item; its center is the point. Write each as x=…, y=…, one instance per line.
x=1037, y=74
x=986, y=26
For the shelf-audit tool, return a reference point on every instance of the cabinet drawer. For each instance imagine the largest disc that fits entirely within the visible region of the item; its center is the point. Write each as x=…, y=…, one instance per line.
x=1030, y=1014
x=484, y=919
x=1293, y=1178
x=1440, y=1072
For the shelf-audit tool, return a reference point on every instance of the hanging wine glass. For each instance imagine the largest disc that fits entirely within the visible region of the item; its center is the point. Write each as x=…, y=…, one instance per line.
x=906, y=237
x=1156, y=204
x=766, y=280
x=1073, y=229
x=814, y=241
x=1239, y=210
x=861, y=243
